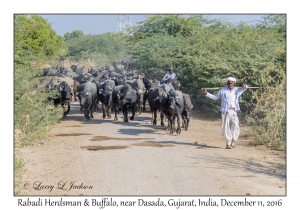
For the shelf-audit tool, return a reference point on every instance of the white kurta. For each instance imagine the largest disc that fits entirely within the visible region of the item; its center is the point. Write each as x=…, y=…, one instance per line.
x=169, y=76
x=229, y=106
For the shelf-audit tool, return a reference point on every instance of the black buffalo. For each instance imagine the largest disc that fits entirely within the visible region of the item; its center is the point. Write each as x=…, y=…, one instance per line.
x=65, y=94
x=174, y=82
x=119, y=67
x=186, y=114
x=148, y=85
x=129, y=65
x=77, y=68
x=157, y=99
x=93, y=72
x=160, y=96
x=167, y=87
x=174, y=109
x=63, y=70
x=170, y=104
x=84, y=78
x=139, y=87
x=88, y=99
x=76, y=88
x=50, y=72
x=119, y=79
x=105, y=90
x=124, y=98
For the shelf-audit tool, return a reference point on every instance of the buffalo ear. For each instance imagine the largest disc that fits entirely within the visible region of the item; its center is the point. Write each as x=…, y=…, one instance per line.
x=100, y=91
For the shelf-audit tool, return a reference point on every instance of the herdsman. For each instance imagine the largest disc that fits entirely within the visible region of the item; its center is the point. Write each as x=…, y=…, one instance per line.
x=170, y=74
x=229, y=105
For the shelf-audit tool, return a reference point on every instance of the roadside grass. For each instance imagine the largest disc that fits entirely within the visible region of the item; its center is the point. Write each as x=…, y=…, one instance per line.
x=18, y=166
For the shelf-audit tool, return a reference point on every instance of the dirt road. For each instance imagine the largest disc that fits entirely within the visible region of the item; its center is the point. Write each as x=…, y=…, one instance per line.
x=103, y=157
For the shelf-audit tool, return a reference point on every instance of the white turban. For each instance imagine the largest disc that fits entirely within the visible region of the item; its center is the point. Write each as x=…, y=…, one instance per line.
x=230, y=79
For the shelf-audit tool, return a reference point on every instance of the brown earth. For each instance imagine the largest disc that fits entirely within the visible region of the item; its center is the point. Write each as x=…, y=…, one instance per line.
x=105, y=157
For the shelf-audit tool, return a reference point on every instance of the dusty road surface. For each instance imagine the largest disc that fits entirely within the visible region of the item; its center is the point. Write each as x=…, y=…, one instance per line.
x=104, y=157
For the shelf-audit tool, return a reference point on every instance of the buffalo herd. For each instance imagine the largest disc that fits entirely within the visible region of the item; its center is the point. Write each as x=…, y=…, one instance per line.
x=119, y=90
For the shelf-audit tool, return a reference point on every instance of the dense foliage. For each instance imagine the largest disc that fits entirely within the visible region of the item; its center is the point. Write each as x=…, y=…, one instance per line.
x=74, y=34
x=36, y=44
x=205, y=52
x=100, y=49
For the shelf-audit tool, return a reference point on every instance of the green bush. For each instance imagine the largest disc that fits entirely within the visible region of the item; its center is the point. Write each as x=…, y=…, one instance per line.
x=35, y=45
x=18, y=165
x=206, y=52
x=33, y=112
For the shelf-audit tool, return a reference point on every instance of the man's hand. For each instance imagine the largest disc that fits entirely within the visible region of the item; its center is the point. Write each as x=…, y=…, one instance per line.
x=204, y=90
x=244, y=86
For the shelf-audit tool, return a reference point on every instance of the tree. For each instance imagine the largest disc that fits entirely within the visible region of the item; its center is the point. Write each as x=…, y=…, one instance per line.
x=67, y=36
x=274, y=21
x=76, y=34
x=35, y=39
x=106, y=48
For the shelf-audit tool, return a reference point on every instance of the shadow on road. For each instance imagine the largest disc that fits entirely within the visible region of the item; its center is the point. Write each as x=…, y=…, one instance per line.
x=135, y=132
x=269, y=168
x=76, y=115
x=185, y=143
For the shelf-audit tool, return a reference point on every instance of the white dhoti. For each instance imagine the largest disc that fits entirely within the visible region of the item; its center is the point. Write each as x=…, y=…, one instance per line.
x=230, y=126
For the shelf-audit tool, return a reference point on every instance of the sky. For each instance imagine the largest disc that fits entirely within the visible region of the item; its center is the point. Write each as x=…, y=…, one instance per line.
x=102, y=23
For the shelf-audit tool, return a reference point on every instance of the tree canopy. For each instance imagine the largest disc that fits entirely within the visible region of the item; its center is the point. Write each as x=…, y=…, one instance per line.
x=35, y=39
x=102, y=49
